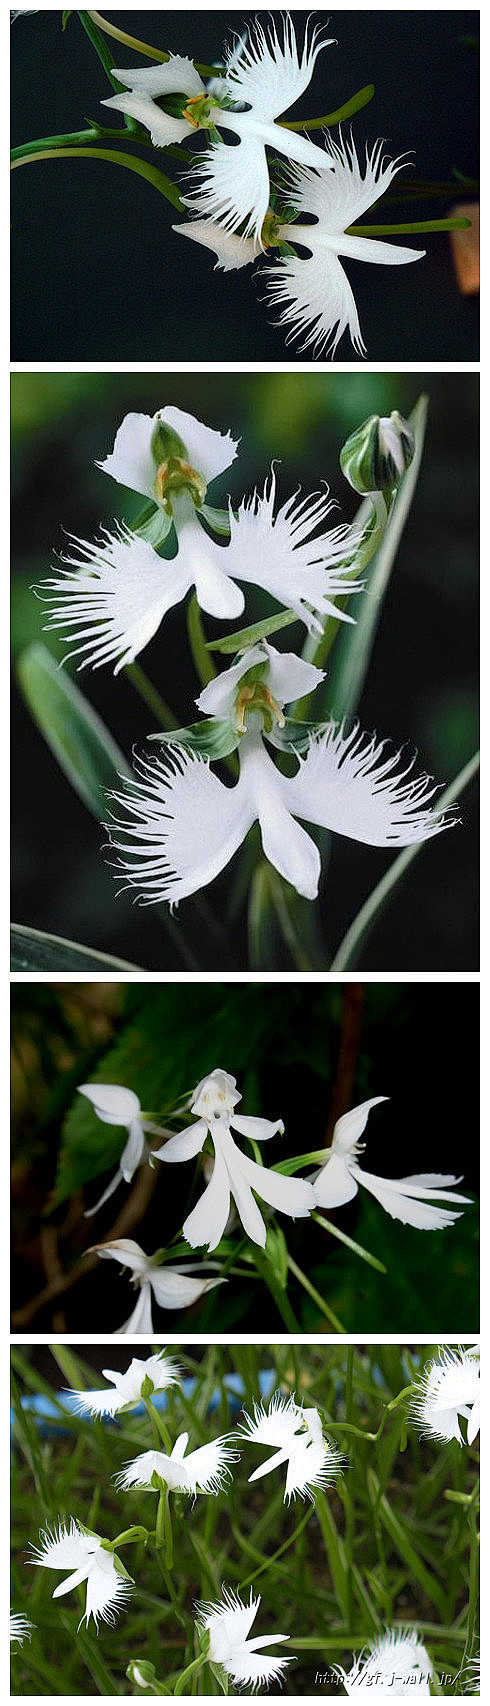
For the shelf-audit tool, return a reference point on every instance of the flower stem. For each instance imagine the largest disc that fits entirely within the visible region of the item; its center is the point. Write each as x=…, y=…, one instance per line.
x=407, y=230
x=197, y=1664
x=312, y=1292
x=144, y=47
x=473, y=1588
x=159, y=1430
x=142, y=168
x=350, y=948
x=346, y=111
x=357, y=1249
x=150, y=694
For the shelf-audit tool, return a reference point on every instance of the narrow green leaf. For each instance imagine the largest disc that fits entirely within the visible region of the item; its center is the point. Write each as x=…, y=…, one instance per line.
x=347, y=956
x=34, y=950
x=350, y=1242
x=83, y=747
x=401, y=1538
x=245, y=637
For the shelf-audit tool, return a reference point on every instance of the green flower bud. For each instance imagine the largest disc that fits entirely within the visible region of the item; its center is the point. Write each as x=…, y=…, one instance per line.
x=378, y=453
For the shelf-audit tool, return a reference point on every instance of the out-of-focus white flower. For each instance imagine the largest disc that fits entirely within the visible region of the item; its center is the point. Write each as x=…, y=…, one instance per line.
x=262, y=80
x=20, y=1627
x=297, y=1434
x=162, y=1370
x=115, y=1105
x=448, y=1389
x=228, y=1624
x=68, y=1547
x=407, y=1199
x=395, y=1664
x=173, y=1288
x=183, y=825
x=233, y=1174
x=203, y=1471
x=315, y=295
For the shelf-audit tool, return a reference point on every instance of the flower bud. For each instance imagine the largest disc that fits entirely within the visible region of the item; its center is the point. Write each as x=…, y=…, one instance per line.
x=378, y=453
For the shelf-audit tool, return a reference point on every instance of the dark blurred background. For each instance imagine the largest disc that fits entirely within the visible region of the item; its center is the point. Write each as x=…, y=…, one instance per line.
x=98, y=273
x=301, y=1052
x=421, y=687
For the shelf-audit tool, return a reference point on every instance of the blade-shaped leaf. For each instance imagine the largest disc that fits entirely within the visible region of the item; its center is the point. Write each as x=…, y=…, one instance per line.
x=35, y=950
x=82, y=745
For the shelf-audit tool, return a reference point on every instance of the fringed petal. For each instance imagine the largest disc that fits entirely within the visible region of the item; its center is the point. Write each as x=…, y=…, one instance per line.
x=284, y=554
x=115, y=600
x=182, y=827
x=315, y=298
x=268, y=74
x=233, y=185
x=347, y=783
x=338, y=198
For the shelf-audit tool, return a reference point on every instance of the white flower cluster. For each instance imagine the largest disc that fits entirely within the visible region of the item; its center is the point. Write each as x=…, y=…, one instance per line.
x=243, y=205
x=396, y=1660
x=234, y=1178
x=177, y=826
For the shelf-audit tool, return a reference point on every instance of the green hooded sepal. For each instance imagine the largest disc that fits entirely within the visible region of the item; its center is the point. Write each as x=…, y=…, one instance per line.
x=214, y=738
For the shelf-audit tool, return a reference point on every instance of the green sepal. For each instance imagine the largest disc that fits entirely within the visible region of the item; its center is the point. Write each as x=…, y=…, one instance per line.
x=245, y=637
x=218, y=519
x=214, y=738
x=155, y=526
x=147, y=1387
x=294, y=737
x=121, y=1568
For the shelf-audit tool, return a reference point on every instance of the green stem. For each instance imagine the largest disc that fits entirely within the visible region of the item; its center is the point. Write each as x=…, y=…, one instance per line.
x=87, y=20
x=312, y=1292
x=129, y=1537
x=343, y=1238
x=349, y=1376
x=281, y=1299
x=353, y=941
x=160, y=1434
x=275, y=1555
x=144, y=47
x=150, y=695
x=197, y=1664
x=473, y=1588
x=142, y=168
x=407, y=230
x=353, y=106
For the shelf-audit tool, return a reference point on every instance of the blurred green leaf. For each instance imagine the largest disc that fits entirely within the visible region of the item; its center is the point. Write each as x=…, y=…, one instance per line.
x=35, y=950
x=83, y=747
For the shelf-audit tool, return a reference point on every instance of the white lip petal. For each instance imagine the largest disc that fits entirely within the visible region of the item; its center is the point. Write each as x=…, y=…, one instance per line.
x=182, y=827
x=287, y=845
x=207, y=1222
x=231, y=251
x=233, y=183
x=349, y=783
x=268, y=72
x=316, y=300
x=134, y=1152
x=115, y=599
x=294, y=1197
x=140, y=1320
x=334, y=1185
x=395, y=1198
x=299, y=567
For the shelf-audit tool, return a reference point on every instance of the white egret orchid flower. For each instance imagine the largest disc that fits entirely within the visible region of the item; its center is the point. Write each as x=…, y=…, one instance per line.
x=395, y=1663
x=115, y=1105
x=120, y=588
x=172, y=1288
x=408, y=1199
x=69, y=1547
x=160, y=1369
x=203, y=1471
x=261, y=82
x=233, y=1174
x=183, y=825
x=228, y=1624
x=315, y=295
x=448, y=1389
x=20, y=1628
x=297, y=1434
